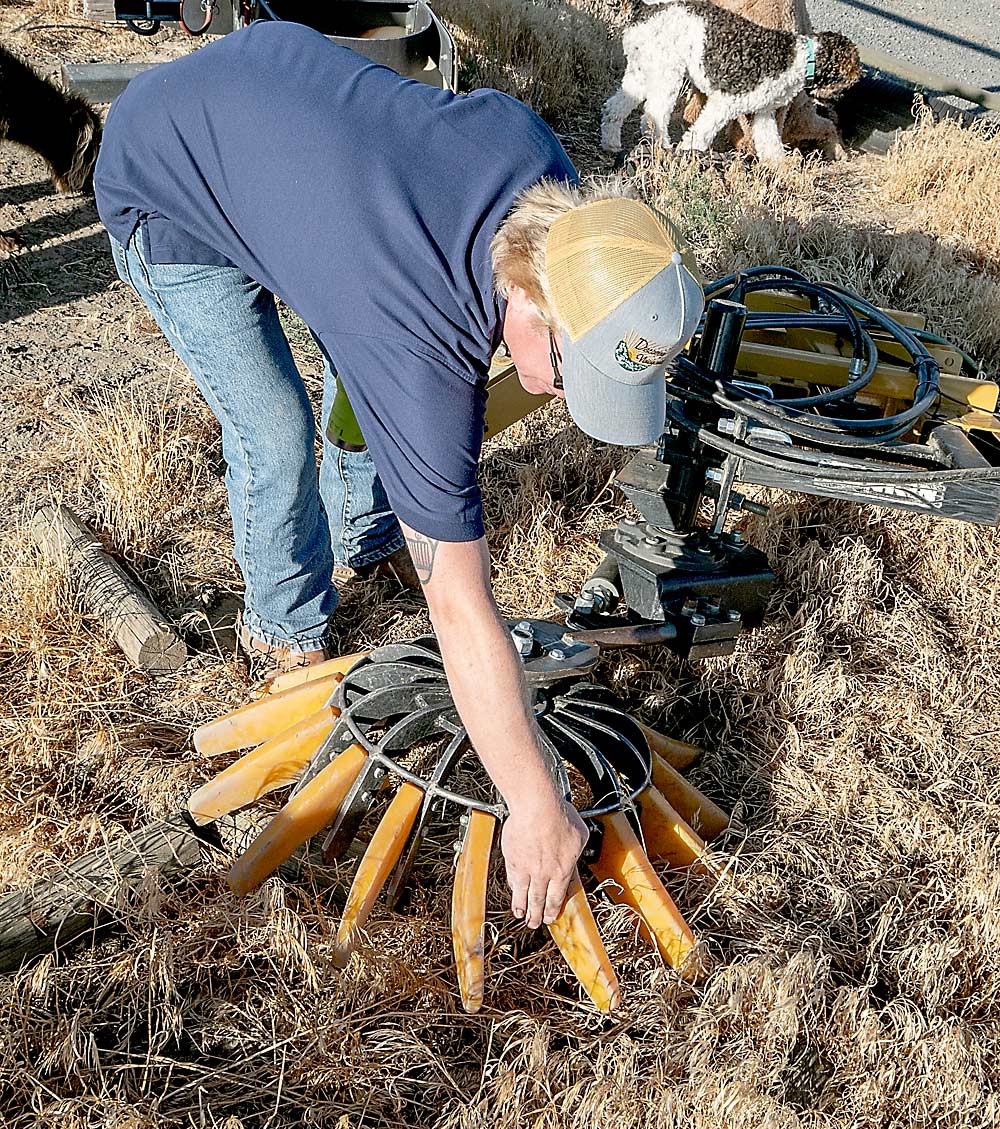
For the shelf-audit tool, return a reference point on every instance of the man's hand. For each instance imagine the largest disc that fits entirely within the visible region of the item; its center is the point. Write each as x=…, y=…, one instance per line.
x=541, y=846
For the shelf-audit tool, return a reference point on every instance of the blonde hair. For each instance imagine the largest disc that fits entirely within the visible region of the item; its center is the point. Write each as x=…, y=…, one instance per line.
x=518, y=248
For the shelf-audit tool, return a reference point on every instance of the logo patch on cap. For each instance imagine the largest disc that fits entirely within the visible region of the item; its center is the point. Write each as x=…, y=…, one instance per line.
x=634, y=353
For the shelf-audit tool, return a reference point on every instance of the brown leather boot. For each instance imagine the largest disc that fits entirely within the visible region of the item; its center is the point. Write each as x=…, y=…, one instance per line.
x=267, y=662
x=398, y=566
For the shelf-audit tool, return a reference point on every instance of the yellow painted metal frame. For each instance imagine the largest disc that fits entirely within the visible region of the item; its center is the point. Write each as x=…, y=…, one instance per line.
x=508, y=402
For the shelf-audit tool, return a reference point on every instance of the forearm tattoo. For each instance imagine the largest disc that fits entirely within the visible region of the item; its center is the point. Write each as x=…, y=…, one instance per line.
x=422, y=550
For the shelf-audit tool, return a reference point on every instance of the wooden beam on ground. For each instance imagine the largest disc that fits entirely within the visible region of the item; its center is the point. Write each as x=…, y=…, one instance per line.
x=140, y=629
x=87, y=894
x=101, y=82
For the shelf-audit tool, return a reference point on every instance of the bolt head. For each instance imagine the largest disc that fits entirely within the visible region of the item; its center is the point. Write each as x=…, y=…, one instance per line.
x=557, y=653
x=733, y=615
x=697, y=620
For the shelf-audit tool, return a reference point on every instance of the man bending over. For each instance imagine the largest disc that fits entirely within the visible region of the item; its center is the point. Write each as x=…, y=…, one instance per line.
x=412, y=230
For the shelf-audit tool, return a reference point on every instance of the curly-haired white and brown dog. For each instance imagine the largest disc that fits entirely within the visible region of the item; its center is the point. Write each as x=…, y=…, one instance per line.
x=62, y=128
x=801, y=122
x=740, y=67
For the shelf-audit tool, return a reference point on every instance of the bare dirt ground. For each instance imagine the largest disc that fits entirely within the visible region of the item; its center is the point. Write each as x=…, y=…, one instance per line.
x=59, y=298
x=854, y=935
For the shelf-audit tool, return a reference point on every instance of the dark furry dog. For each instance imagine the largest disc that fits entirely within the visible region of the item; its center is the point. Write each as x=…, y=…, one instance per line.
x=62, y=128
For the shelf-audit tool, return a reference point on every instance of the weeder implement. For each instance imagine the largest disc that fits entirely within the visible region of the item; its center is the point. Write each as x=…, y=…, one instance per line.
x=389, y=724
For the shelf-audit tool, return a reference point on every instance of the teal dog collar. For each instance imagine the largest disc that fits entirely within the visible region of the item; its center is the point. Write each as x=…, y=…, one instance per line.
x=810, y=59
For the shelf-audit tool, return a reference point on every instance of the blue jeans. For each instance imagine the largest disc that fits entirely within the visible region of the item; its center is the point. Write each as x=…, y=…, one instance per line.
x=289, y=527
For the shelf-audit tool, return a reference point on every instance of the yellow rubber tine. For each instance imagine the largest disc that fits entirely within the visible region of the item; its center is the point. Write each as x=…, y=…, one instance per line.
x=274, y=764
x=303, y=816
x=302, y=674
x=694, y=807
x=267, y=717
x=468, y=908
x=679, y=754
x=632, y=880
x=375, y=867
x=668, y=838
x=575, y=932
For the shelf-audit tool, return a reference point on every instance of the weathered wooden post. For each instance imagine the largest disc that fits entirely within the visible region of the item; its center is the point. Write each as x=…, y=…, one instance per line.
x=86, y=894
x=140, y=629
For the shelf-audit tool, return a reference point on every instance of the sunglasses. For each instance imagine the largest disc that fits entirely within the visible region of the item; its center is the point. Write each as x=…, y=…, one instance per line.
x=554, y=358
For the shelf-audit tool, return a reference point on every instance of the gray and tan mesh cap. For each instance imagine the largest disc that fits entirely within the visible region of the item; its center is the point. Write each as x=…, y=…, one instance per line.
x=626, y=289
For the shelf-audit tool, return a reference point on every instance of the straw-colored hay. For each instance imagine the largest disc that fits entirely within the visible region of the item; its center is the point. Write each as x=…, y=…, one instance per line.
x=855, y=929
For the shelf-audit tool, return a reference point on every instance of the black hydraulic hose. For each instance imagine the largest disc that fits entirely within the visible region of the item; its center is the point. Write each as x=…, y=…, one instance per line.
x=924, y=365
x=829, y=431
x=829, y=435
x=865, y=357
x=730, y=280
x=848, y=310
x=818, y=429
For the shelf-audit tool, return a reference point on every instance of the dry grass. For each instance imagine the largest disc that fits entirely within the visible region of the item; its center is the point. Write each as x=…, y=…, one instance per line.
x=141, y=458
x=556, y=55
x=946, y=176
x=855, y=932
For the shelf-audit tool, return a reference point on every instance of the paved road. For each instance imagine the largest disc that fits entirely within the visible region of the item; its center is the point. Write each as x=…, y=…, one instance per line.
x=959, y=38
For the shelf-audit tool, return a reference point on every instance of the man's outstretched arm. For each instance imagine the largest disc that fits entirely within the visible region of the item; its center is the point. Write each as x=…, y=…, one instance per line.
x=543, y=835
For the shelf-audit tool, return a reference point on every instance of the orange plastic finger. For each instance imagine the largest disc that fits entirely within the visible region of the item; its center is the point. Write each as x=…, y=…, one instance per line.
x=381, y=856
x=634, y=882
x=575, y=932
x=694, y=807
x=258, y=721
x=677, y=753
x=468, y=907
x=275, y=764
x=668, y=837
x=302, y=674
x=302, y=817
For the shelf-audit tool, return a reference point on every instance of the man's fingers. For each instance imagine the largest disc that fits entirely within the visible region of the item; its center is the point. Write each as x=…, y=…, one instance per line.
x=536, y=903
x=555, y=898
x=518, y=892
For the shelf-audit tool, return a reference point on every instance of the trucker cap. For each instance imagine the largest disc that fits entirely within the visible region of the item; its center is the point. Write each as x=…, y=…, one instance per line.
x=627, y=290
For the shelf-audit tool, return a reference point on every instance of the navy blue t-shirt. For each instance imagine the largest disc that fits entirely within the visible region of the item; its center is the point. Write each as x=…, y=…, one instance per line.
x=365, y=201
